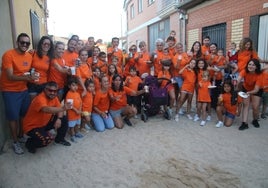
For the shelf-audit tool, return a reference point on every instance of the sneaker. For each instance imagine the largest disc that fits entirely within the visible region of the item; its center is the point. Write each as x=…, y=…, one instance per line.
x=243, y=126
x=22, y=139
x=78, y=135
x=169, y=112
x=209, y=118
x=63, y=142
x=189, y=117
x=203, y=123
x=127, y=121
x=255, y=123
x=196, y=118
x=87, y=127
x=177, y=117
x=30, y=148
x=73, y=139
x=219, y=124
x=263, y=116
x=17, y=148
x=181, y=112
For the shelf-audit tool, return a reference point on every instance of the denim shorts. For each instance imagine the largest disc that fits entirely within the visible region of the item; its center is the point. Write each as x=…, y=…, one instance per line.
x=73, y=123
x=229, y=115
x=16, y=104
x=116, y=113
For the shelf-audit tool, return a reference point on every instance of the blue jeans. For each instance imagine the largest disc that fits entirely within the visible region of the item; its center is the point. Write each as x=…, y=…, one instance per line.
x=179, y=80
x=100, y=123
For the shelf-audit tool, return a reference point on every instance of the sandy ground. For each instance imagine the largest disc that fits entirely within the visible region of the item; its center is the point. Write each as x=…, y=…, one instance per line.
x=155, y=154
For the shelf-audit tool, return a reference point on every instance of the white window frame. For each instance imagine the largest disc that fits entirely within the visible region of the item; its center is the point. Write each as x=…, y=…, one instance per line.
x=140, y=6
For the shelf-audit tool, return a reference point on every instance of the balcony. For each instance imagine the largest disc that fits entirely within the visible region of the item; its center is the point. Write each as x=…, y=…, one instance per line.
x=166, y=7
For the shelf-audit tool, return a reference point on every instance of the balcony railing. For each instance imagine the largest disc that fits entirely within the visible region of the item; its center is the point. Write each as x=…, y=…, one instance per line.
x=166, y=7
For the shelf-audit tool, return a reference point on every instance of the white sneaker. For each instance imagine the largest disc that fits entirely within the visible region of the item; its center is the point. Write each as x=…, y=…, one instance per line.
x=203, y=123
x=177, y=117
x=189, y=117
x=209, y=118
x=181, y=112
x=219, y=124
x=196, y=118
x=22, y=139
x=17, y=148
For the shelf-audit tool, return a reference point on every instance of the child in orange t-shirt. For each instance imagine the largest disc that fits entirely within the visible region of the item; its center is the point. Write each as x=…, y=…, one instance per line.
x=87, y=104
x=203, y=98
x=74, y=114
x=133, y=82
x=229, y=104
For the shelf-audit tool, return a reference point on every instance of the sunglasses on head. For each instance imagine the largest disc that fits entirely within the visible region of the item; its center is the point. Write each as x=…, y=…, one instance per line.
x=24, y=43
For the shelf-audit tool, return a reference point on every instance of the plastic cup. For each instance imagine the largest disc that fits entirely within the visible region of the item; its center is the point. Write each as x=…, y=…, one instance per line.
x=146, y=89
x=72, y=70
x=37, y=74
x=70, y=101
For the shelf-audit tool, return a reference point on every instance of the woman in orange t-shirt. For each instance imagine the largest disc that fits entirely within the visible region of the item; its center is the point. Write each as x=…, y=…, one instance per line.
x=57, y=70
x=251, y=85
x=119, y=107
x=229, y=105
x=41, y=61
x=143, y=63
x=245, y=53
x=101, y=118
x=187, y=89
x=130, y=60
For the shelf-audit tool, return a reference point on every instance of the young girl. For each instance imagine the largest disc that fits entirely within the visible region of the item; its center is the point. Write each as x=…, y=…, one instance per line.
x=229, y=105
x=165, y=73
x=74, y=114
x=187, y=89
x=112, y=70
x=203, y=97
x=87, y=102
x=96, y=78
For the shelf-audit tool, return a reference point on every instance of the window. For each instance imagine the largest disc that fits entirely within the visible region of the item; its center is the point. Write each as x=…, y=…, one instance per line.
x=132, y=11
x=140, y=6
x=151, y=1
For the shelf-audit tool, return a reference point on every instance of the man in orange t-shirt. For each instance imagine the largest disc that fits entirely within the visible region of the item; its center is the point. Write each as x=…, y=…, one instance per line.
x=14, y=77
x=45, y=113
x=70, y=56
x=115, y=51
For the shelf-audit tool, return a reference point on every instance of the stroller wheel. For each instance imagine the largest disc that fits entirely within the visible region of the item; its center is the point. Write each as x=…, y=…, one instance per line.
x=144, y=117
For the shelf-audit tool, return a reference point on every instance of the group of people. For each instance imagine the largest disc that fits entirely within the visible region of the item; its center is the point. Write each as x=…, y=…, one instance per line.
x=82, y=87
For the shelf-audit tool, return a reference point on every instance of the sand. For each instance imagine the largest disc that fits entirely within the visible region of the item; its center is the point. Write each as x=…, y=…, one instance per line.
x=156, y=154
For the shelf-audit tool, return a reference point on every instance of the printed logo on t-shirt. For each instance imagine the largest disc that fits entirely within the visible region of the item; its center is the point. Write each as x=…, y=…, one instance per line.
x=25, y=63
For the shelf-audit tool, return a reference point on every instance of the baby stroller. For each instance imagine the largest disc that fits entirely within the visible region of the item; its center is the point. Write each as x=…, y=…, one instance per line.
x=152, y=100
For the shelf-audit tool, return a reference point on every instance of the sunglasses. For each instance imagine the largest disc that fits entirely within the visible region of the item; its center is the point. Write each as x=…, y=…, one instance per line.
x=133, y=49
x=24, y=43
x=48, y=44
x=52, y=90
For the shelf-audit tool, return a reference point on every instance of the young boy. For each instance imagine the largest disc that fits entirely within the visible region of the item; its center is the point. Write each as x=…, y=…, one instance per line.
x=74, y=114
x=87, y=102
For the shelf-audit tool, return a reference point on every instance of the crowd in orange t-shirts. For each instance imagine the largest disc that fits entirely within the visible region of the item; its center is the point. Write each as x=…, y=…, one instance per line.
x=104, y=85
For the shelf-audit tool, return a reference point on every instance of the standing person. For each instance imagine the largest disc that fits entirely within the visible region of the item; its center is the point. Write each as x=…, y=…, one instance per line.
x=195, y=52
x=157, y=56
x=57, y=70
x=251, y=86
x=245, y=53
x=89, y=45
x=130, y=60
x=45, y=113
x=115, y=51
x=187, y=89
x=70, y=56
x=74, y=114
x=205, y=46
x=265, y=91
x=203, y=97
x=101, y=118
x=119, y=107
x=15, y=63
x=143, y=63
x=229, y=105
x=171, y=41
x=41, y=62
x=80, y=45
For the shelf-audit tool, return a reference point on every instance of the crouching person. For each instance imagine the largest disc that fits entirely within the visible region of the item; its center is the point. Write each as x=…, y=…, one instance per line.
x=45, y=113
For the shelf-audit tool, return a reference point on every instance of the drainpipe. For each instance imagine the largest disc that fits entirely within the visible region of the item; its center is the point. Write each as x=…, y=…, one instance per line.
x=12, y=21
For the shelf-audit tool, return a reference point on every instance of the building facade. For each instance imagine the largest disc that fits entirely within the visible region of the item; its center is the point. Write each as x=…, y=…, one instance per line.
x=225, y=21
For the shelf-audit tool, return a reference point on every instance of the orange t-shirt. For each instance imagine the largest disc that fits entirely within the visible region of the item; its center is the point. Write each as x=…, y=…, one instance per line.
x=265, y=80
x=205, y=49
x=103, y=66
x=157, y=62
x=122, y=95
x=20, y=63
x=77, y=103
x=55, y=75
x=84, y=72
x=220, y=62
x=34, y=117
x=118, y=54
x=141, y=65
x=244, y=57
x=164, y=74
x=101, y=101
x=179, y=64
x=226, y=100
x=250, y=80
x=203, y=91
x=133, y=82
x=70, y=58
x=189, y=80
x=87, y=102
x=41, y=66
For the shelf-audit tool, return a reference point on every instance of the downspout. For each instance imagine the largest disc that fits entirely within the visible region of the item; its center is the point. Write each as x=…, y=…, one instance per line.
x=12, y=21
